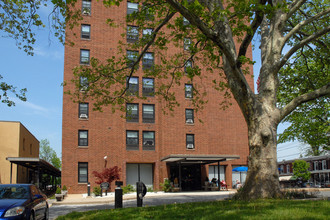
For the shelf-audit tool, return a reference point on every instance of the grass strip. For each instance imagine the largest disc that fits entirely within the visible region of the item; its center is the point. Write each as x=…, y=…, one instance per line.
x=259, y=209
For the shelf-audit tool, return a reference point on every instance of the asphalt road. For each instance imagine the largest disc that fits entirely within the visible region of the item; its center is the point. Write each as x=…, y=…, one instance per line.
x=58, y=210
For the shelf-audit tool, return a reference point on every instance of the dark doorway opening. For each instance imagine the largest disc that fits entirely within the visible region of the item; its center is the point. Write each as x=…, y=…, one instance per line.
x=190, y=176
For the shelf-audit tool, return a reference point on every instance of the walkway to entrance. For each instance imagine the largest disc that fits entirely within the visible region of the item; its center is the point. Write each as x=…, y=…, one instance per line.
x=188, y=170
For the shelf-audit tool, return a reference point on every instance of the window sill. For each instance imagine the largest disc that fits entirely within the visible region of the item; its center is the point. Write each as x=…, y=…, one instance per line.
x=88, y=39
x=82, y=183
x=148, y=122
x=83, y=147
x=190, y=123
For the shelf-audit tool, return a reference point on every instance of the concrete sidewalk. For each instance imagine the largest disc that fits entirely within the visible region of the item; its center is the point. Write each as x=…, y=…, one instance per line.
x=76, y=199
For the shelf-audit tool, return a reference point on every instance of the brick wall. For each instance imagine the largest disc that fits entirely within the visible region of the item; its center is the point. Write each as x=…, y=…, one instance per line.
x=222, y=132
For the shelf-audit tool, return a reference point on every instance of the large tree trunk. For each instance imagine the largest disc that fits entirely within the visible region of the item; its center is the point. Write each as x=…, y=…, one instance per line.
x=262, y=178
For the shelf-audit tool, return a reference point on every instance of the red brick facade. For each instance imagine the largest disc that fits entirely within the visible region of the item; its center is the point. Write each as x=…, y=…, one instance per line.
x=223, y=132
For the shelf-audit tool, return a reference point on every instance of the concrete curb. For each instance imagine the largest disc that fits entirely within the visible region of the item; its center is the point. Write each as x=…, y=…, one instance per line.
x=78, y=199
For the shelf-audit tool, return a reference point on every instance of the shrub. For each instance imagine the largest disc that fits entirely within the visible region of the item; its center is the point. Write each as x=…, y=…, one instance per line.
x=150, y=189
x=64, y=188
x=107, y=175
x=127, y=189
x=166, y=186
x=58, y=190
x=97, y=191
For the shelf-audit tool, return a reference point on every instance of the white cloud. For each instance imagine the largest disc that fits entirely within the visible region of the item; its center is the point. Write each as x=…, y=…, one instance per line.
x=53, y=54
x=37, y=109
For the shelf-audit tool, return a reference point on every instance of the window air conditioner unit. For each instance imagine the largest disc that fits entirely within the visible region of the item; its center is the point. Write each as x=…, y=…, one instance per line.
x=83, y=116
x=86, y=12
x=190, y=146
x=150, y=143
x=189, y=121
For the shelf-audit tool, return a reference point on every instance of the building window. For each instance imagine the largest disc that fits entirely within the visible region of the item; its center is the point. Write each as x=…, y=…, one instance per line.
x=83, y=111
x=288, y=168
x=316, y=165
x=146, y=33
x=132, y=7
x=185, y=21
x=186, y=43
x=132, y=34
x=132, y=140
x=82, y=172
x=139, y=172
x=148, y=113
x=324, y=164
x=148, y=60
x=83, y=83
x=188, y=91
x=148, y=13
x=133, y=86
x=86, y=7
x=189, y=116
x=282, y=169
x=132, y=112
x=85, y=31
x=84, y=56
x=190, y=141
x=148, y=87
x=148, y=140
x=187, y=66
x=83, y=138
x=131, y=57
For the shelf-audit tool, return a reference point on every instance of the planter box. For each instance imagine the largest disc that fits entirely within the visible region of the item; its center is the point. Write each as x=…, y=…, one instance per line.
x=64, y=193
x=59, y=197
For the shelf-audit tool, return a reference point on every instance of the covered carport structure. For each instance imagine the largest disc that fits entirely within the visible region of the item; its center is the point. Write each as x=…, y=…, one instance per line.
x=38, y=166
x=201, y=159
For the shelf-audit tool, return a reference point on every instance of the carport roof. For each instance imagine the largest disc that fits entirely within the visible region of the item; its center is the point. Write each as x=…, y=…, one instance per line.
x=198, y=158
x=34, y=163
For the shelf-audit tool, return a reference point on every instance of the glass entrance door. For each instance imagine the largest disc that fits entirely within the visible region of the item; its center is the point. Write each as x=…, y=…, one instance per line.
x=190, y=176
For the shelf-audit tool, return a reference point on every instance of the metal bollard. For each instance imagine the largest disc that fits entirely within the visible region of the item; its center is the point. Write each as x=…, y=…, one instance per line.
x=88, y=189
x=119, y=195
x=141, y=191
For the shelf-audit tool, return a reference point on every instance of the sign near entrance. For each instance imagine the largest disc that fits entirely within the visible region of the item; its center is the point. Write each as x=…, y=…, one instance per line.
x=104, y=185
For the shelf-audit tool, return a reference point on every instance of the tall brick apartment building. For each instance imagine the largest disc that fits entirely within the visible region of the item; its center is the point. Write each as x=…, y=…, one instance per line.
x=149, y=145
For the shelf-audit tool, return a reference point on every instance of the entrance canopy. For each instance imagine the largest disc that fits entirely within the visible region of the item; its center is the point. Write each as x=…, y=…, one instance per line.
x=35, y=164
x=197, y=158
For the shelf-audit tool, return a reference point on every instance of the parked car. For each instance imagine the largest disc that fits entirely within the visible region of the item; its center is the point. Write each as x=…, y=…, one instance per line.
x=22, y=201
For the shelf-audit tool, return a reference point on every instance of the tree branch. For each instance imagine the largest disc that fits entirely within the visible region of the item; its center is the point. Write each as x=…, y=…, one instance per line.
x=293, y=7
x=323, y=91
x=204, y=28
x=303, y=23
x=145, y=49
x=301, y=44
x=249, y=36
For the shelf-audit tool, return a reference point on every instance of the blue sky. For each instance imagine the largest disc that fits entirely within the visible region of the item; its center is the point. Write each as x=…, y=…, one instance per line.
x=42, y=75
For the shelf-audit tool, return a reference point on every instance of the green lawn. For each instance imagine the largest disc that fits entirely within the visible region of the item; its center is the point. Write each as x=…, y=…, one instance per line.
x=261, y=209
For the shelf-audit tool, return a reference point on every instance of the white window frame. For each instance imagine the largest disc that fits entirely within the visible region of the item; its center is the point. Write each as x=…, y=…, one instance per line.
x=288, y=168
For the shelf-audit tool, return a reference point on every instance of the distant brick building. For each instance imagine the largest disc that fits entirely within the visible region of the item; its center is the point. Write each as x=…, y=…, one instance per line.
x=319, y=168
x=149, y=145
